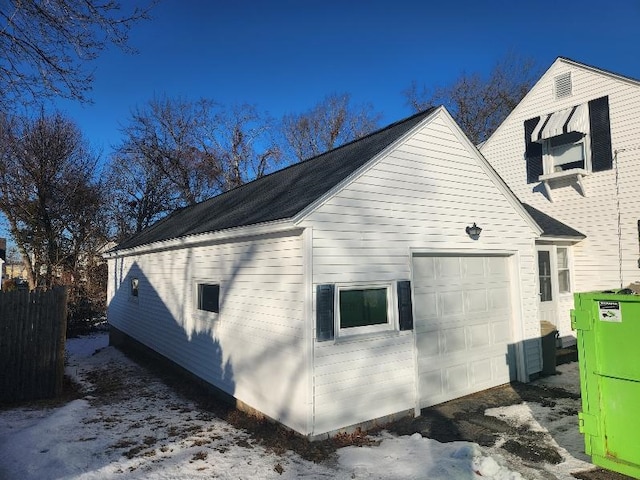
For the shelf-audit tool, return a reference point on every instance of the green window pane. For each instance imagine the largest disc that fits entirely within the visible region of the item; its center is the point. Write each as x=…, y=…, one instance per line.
x=359, y=308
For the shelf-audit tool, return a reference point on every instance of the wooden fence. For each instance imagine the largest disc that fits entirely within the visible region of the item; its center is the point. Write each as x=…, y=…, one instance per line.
x=32, y=336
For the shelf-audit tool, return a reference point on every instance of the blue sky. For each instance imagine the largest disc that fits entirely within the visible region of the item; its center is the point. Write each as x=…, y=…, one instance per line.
x=284, y=55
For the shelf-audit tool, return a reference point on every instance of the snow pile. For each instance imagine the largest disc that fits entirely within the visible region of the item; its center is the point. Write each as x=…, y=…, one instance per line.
x=131, y=425
x=557, y=420
x=416, y=457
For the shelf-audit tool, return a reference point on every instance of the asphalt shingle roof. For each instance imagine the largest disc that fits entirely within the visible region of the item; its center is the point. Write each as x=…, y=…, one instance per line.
x=550, y=226
x=277, y=196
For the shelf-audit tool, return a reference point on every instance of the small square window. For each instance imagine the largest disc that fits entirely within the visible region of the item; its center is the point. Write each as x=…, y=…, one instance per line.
x=209, y=297
x=134, y=287
x=364, y=309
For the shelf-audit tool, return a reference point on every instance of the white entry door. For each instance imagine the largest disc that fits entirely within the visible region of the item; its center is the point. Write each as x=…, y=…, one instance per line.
x=462, y=307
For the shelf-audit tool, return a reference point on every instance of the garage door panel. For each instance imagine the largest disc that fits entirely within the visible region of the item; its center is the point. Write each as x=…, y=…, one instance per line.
x=425, y=270
x=482, y=371
x=432, y=383
x=451, y=303
x=454, y=340
x=462, y=324
x=501, y=333
x=474, y=268
x=479, y=336
x=429, y=345
x=457, y=378
x=499, y=298
x=497, y=267
x=448, y=268
x=476, y=300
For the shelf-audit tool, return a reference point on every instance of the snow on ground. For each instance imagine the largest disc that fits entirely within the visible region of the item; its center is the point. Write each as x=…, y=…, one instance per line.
x=557, y=419
x=141, y=428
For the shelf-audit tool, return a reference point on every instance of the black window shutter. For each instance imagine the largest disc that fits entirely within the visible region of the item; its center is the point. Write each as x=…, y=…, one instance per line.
x=324, y=312
x=533, y=151
x=405, y=312
x=601, y=158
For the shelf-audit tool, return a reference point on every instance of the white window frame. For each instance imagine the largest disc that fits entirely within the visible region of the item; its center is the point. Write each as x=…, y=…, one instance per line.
x=392, y=321
x=205, y=314
x=568, y=269
x=548, y=160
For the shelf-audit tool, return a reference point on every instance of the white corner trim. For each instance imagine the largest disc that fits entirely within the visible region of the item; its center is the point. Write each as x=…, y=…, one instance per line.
x=309, y=329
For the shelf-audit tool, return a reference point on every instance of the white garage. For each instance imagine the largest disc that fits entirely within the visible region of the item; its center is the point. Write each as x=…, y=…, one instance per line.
x=463, y=333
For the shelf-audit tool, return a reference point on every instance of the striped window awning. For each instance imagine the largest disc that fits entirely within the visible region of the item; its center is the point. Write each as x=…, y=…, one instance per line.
x=574, y=119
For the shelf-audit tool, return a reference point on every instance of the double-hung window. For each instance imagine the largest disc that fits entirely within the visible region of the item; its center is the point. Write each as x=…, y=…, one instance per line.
x=564, y=274
x=565, y=152
x=568, y=144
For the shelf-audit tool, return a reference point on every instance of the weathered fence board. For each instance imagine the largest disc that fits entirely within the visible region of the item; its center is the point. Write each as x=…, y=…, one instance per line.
x=32, y=336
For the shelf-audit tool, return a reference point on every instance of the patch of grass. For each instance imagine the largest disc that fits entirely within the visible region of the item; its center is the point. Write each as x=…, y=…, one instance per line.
x=199, y=442
x=123, y=443
x=201, y=455
x=134, y=452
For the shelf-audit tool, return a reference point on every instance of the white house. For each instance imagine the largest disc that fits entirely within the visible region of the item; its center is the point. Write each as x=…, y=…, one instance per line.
x=345, y=288
x=571, y=149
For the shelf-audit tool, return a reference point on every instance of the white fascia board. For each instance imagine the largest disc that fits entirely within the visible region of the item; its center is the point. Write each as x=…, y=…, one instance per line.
x=597, y=70
x=550, y=239
x=491, y=173
x=279, y=226
x=305, y=212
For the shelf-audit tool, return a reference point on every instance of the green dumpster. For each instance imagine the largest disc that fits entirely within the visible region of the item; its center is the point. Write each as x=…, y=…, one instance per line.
x=608, y=334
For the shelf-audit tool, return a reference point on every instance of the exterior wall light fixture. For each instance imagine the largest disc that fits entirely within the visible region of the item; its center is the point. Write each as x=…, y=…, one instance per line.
x=474, y=231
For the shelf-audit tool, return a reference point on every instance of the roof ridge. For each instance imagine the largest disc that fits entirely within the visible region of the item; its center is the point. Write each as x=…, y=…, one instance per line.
x=314, y=158
x=599, y=69
x=280, y=194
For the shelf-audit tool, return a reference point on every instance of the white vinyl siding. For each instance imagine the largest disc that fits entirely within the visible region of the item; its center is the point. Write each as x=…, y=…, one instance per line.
x=595, y=260
x=254, y=349
x=423, y=194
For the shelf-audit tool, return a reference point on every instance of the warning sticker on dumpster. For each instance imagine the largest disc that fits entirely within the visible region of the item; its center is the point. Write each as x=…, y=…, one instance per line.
x=609, y=311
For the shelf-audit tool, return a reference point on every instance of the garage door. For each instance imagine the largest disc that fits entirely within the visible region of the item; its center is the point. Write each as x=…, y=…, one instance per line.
x=462, y=311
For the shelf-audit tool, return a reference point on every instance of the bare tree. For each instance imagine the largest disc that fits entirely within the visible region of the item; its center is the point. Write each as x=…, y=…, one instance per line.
x=48, y=195
x=46, y=46
x=243, y=146
x=329, y=124
x=140, y=194
x=479, y=104
x=171, y=135
x=178, y=152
